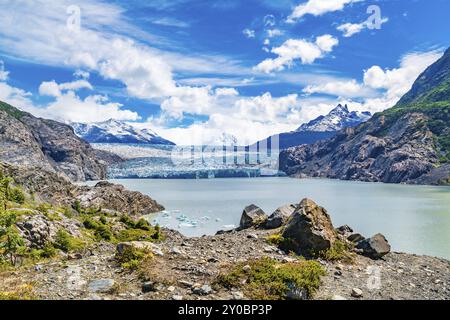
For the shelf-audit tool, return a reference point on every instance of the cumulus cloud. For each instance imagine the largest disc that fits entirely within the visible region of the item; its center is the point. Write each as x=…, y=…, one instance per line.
x=307, y=52
x=318, y=8
x=68, y=107
x=53, y=89
x=350, y=29
x=381, y=88
x=347, y=89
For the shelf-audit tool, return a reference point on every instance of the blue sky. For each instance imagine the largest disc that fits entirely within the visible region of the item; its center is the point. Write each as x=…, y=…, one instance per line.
x=194, y=70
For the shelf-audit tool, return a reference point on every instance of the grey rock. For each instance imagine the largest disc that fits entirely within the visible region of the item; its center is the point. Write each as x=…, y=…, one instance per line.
x=47, y=145
x=150, y=286
x=309, y=229
x=237, y=295
x=357, y=293
x=203, y=290
x=375, y=247
x=252, y=216
x=101, y=285
x=280, y=216
x=177, y=297
x=355, y=237
x=296, y=293
x=345, y=229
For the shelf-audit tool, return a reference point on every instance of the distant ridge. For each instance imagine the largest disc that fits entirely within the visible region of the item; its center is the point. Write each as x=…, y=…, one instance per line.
x=114, y=131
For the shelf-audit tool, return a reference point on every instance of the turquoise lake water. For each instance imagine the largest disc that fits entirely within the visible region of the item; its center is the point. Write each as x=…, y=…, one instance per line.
x=415, y=219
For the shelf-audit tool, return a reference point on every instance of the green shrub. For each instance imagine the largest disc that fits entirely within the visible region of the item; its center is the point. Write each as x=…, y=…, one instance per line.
x=275, y=239
x=103, y=232
x=135, y=235
x=67, y=243
x=90, y=223
x=339, y=251
x=16, y=195
x=131, y=258
x=77, y=206
x=269, y=280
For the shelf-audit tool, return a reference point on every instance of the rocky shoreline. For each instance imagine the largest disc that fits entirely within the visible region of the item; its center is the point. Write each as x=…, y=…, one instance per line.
x=94, y=252
x=188, y=267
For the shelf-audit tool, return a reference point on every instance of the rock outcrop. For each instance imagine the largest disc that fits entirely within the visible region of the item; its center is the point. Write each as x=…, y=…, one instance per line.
x=280, y=216
x=117, y=198
x=375, y=247
x=309, y=229
x=252, y=216
x=55, y=188
x=46, y=144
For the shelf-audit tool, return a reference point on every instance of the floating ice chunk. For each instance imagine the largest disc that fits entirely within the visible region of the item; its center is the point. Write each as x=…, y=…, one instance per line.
x=218, y=220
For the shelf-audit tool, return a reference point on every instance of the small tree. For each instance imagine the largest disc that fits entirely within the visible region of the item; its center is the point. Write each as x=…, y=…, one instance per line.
x=12, y=245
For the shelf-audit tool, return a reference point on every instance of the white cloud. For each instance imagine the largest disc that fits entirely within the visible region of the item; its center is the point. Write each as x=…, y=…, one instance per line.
x=226, y=92
x=326, y=42
x=271, y=33
x=397, y=81
x=350, y=29
x=381, y=88
x=318, y=8
x=81, y=74
x=68, y=107
x=52, y=89
x=249, y=33
x=347, y=89
x=294, y=49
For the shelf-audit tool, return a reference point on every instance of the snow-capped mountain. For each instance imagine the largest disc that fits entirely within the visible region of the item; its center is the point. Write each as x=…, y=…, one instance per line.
x=338, y=119
x=323, y=127
x=114, y=131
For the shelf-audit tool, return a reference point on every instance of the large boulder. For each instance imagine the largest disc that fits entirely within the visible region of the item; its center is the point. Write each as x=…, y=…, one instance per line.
x=309, y=230
x=280, y=216
x=37, y=229
x=375, y=247
x=252, y=216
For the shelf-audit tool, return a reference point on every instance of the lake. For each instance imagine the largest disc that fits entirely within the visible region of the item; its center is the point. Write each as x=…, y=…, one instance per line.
x=415, y=219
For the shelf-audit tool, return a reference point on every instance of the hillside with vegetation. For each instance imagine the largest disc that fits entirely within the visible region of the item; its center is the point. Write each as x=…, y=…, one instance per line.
x=409, y=143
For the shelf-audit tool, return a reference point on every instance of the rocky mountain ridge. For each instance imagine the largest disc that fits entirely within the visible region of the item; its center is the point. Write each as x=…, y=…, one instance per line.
x=323, y=127
x=114, y=131
x=337, y=119
x=409, y=143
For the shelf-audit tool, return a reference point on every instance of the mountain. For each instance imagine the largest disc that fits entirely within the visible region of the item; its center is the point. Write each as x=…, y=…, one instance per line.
x=113, y=131
x=338, y=119
x=46, y=144
x=323, y=127
x=408, y=143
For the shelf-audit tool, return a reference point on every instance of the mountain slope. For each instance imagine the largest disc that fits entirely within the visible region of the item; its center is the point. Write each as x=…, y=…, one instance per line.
x=47, y=144
x=322, y=127
x=337, y=119
x=113, y=131
x=409, y=143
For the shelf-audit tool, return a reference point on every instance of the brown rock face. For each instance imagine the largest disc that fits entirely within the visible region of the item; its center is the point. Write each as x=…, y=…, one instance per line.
x=57, y=189
x=46, y=144
x=116, y=197
x=309, y=230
